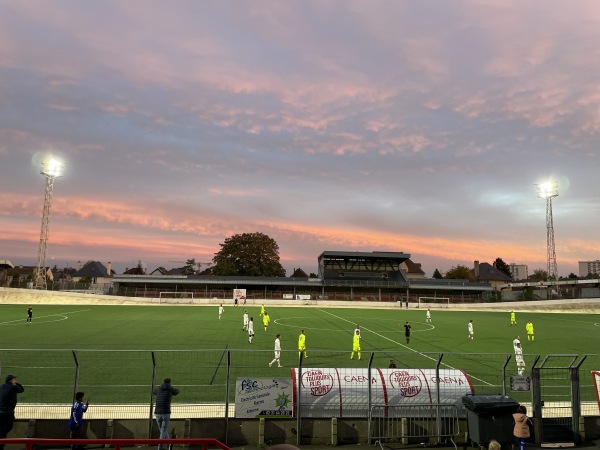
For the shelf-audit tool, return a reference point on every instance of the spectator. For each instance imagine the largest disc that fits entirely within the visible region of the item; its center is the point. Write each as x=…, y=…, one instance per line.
x=162, y=410
x=392, y=364
x=494, y=445
x=522, y=423
x=76, y=419
x=8, y=401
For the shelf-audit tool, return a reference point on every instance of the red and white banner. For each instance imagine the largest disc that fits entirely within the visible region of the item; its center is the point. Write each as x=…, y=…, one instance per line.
x=343, y=392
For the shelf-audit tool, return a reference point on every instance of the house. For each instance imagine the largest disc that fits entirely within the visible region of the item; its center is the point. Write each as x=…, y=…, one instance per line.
x=299, y=273
x=487, y=273
x=20, y=275
x=95, y=270
x=412, y=269
x=159, y=272
x=4, y=266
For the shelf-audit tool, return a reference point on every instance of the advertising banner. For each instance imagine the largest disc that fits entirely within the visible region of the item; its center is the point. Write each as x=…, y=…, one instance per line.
x=240, y=295
x=344, y=392
x=263, y=397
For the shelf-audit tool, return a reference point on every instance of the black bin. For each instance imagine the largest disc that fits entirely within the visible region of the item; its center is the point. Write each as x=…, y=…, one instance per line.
x=490, y=417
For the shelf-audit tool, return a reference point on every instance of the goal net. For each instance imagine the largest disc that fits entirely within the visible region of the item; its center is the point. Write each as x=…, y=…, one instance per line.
x=434, y=302
x=185, y=295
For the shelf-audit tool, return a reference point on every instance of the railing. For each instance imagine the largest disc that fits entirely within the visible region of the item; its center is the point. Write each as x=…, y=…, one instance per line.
x=420, y=422
x=117, y=443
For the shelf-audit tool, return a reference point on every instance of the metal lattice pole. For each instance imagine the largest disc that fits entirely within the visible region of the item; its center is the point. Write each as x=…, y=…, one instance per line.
x=548, y=191
x=551, y=251
x=50, y=169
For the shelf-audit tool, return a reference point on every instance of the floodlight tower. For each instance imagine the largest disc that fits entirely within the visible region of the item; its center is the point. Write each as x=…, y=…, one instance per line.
x=51, y=169
x=548, y=191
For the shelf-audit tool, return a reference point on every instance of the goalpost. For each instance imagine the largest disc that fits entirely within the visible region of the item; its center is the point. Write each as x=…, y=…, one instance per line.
x=435, y=302
x=164, y=295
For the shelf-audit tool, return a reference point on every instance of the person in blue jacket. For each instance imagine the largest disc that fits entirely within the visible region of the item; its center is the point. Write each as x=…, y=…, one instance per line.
x=76, y=419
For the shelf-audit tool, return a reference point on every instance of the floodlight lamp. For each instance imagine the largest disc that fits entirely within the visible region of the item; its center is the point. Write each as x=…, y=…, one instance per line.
x=548, y=189
x=52, y=168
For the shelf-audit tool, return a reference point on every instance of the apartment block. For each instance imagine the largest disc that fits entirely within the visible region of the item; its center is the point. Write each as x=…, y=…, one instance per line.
x=586, y=267
x=518, y=271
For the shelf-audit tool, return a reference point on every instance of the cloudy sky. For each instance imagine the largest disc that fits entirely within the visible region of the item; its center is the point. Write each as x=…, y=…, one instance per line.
x=417, y=126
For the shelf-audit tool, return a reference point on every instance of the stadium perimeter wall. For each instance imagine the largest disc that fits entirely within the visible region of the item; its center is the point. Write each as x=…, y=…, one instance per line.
x=32, y=296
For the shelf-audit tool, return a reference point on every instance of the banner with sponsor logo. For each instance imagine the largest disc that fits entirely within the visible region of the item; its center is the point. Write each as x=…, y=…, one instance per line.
x=240, y=295
x=344, y=392
x=263, y=397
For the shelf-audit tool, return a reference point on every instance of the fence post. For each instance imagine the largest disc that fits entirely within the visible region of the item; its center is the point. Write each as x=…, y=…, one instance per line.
x=576, y=399
x=438, y=413
x=76, y=382
x=152, y=385
x=369, y=397
x=504, y=374
x=536, y=399
x=299, y=382
x=227, y=390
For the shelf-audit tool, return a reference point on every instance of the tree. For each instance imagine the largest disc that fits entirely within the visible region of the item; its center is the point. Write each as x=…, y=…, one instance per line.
x=313, y=275
x=248, y=254
x=189, y=268
x=572, y=276
x=539, y=275
x=437, y=275
x=502, y=267
x=459, y=272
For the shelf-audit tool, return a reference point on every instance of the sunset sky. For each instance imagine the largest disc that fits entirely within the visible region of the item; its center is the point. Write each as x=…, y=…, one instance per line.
x=415, y=126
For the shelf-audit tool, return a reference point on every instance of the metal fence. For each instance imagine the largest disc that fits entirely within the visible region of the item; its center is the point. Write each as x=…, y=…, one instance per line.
x=119, y=383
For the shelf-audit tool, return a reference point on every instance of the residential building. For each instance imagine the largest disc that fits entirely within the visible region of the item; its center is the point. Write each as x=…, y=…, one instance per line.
x=487, y=273
x=412, y=269
x=586, y=267
x=518, y=271
x=94, y=270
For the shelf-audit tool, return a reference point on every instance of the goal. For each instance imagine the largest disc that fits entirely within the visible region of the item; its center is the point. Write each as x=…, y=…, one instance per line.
x=434, y=302
x=181, y=295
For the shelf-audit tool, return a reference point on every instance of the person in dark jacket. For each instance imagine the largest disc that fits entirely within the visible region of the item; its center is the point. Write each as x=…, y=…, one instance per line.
x=8, y=401
x=162, y=409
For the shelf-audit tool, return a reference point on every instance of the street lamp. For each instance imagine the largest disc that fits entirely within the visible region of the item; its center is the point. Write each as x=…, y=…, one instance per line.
x=51, y=169
x=548, y=191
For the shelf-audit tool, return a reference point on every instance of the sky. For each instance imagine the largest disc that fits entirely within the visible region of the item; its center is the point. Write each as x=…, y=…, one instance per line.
x=411, y=126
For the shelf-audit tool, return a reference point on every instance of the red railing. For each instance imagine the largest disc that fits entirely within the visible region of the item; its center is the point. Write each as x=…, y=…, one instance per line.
x=117, y=443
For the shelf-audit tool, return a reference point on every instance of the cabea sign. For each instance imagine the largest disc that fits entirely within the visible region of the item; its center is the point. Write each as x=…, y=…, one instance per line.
x=337, y=392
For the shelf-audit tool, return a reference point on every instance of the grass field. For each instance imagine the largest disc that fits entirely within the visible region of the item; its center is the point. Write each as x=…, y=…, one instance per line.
x=113, y=344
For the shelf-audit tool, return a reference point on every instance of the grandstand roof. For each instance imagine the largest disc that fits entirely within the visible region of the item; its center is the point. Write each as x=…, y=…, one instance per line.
x=396, y=256
x=6, y=264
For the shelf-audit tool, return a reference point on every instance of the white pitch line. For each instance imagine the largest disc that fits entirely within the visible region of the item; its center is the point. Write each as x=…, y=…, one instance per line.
x=402, y=345
x=9, y=322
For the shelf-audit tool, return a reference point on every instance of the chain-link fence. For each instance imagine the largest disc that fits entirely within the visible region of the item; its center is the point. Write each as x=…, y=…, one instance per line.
x=119, y=383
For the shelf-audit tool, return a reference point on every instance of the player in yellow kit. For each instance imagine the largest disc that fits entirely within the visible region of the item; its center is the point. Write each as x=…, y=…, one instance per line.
x=302, y=344
x=266, y=320
x=529, y=329
x=262, y=310
x=355, y=344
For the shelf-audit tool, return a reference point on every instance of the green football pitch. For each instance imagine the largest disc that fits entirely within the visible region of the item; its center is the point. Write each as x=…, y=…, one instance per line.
x=192, y=345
